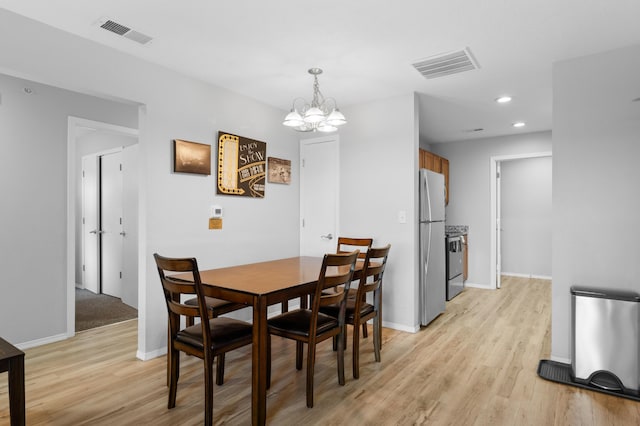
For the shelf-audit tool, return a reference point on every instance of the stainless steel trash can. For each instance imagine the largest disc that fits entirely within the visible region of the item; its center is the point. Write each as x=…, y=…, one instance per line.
x=605, y=349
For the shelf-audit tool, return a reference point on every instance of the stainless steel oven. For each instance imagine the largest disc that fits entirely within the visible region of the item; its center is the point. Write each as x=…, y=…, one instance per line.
x=455, y=282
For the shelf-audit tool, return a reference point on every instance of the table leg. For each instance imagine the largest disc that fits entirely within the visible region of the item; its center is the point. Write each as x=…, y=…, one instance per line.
x=259, y=363
x=16, y=391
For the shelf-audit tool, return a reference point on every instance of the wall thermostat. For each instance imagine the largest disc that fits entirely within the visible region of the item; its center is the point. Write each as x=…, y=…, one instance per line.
x=216, y=211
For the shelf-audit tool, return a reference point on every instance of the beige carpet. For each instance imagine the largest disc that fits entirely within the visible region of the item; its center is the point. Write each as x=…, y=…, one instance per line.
x=96, y=310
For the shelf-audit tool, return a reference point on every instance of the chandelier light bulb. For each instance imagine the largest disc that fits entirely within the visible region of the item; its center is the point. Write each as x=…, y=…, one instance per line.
x=314, y=115
x=326, y=127
x=293, y=119
x=336, y=118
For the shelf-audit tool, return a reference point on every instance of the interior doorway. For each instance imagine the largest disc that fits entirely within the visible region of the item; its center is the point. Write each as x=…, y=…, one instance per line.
x=496, y=214
x=98, y=144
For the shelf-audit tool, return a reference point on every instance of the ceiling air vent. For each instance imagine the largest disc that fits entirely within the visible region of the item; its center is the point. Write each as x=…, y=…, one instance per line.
x=139, y=37
x=446, y=64
x=123, y=30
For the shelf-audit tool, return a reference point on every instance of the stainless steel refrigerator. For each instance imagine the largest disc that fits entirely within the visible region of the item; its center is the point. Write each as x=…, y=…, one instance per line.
x=432, y=246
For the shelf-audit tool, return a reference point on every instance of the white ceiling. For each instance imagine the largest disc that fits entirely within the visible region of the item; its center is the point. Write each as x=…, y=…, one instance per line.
x=263, y=49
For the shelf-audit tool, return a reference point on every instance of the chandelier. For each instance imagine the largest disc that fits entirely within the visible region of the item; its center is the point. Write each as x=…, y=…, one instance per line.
x=321, y=115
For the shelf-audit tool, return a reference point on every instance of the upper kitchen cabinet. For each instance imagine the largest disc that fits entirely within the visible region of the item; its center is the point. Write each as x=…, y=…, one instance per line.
x=430, y=161
x=444, y=166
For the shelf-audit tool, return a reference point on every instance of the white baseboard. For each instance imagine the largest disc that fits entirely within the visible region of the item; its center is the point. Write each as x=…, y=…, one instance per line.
x=537, y=277
x=43, y=341
x=475, y=285
x=146, y=356
x=400, y=327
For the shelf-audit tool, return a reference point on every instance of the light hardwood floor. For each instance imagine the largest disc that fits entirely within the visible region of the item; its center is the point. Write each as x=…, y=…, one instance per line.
x=474, y=365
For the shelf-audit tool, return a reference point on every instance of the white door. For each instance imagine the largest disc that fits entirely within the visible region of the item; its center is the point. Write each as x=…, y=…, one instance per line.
x=319, y=195
x=498, y=228
x=130, y=226
x=90, y=224
x=111, y=221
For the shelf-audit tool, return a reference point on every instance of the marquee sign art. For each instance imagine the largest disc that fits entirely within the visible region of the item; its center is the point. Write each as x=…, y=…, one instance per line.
x=241, y=166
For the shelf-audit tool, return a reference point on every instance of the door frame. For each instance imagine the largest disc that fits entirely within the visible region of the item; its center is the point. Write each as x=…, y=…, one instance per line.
x=74, y=124
x=493, y=276
x=308, y=141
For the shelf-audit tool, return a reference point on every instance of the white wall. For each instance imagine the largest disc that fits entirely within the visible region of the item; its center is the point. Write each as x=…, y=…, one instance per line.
x=596, y=147
x=174, y=208
x=470, y=190
x=526, y=217
x=33, y=183
x=378, y=174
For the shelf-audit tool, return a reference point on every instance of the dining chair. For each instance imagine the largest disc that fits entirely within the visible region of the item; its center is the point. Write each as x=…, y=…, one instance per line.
x=311, y=326
x=358, y=311
x=207, y=339
x=347, y=244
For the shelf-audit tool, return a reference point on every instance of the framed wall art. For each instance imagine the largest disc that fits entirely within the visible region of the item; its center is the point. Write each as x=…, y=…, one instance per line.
x=279, y=170
x=191, y=157
x=241, y=166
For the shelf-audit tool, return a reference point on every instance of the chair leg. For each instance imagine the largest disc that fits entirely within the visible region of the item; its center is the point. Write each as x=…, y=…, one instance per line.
x=340, y=356
x=311, y=360
x=220, y=369
x=174, y=366
x=356, y=351
x=208, y=391
x=168, y=366
x=299, y=354
x=168, y=357
x=377, y=337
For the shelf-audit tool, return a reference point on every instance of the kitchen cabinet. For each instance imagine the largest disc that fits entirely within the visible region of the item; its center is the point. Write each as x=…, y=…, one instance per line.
x=444, y=167
x=430, y=161
x=465, y=257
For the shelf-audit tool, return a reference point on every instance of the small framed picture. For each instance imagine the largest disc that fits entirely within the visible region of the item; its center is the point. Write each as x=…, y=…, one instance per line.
x=279, y=170
x=191, y=157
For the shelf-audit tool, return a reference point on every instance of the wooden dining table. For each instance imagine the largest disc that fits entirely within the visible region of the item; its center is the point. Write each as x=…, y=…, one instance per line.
x=260, y=285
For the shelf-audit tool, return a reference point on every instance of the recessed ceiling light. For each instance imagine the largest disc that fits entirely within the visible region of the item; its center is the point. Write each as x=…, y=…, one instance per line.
x=503, y=99
x=518, y=124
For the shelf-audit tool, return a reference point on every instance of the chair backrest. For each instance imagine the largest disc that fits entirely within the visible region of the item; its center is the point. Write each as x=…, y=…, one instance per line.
x=336, y=272
x=374, y=265
x=174, y=288
x=347, y=245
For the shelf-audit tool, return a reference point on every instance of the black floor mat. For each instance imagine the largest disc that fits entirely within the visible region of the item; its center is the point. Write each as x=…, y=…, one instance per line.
x=561, y=373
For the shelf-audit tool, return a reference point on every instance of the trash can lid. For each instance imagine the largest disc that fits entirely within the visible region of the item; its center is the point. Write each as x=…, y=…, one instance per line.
x=606, y=293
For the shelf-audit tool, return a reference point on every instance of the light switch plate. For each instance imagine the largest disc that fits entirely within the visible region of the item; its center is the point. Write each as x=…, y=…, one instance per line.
x=402, y=216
